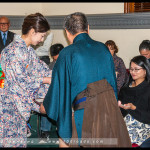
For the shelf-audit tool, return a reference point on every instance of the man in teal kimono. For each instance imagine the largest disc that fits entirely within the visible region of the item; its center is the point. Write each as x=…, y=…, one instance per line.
x=82, y=62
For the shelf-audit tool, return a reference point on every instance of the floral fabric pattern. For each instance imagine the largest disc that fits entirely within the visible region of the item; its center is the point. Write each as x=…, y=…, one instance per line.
x=24, y=74
x=138, y=131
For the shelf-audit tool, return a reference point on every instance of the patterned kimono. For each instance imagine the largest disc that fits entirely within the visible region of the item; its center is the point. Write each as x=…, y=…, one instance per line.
x=24, y=74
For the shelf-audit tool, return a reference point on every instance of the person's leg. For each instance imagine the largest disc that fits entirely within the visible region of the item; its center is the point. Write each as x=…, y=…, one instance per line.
x=146, y=143
x=45, y=126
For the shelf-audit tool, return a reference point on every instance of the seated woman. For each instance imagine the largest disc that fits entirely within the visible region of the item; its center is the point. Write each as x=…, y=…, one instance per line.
x=120, y=69
x=134, y=100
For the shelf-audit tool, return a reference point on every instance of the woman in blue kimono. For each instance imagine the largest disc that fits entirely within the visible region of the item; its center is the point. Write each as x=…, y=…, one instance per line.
x=26, y=78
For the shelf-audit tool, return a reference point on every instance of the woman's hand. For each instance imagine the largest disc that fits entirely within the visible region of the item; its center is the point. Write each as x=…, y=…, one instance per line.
x=126, y=106
x=42, y=109
x=47, y=80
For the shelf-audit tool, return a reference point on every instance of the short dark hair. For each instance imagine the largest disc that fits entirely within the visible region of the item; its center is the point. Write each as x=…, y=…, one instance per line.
x=35, y=21
x=75, y=23
x=144, y=45
x=142, y=62
x=55, y=49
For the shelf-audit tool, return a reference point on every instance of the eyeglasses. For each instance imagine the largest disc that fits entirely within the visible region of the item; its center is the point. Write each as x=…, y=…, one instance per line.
x=4, y=24
x=135, y=69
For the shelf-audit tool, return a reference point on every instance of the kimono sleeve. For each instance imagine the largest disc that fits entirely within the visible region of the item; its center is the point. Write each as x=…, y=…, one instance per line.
x=26, y=76
x=57, y=102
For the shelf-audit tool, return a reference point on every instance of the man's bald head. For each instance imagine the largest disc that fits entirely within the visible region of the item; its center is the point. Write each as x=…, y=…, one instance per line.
x=4, y=24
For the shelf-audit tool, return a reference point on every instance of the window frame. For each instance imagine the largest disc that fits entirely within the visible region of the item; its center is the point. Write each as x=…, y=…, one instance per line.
x=129, y=8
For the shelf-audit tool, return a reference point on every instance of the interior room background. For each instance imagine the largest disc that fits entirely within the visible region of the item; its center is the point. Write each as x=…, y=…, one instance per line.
x=127, y=40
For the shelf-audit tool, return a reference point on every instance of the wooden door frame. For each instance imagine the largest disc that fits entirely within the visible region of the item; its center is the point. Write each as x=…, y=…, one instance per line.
x=129, y=7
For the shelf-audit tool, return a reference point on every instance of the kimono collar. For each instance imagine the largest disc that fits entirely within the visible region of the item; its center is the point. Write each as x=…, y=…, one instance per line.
x=20, y=40
x=80, y=36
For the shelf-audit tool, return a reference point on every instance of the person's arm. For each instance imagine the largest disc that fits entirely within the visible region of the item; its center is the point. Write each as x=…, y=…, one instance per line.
x=35, y=107
x=143, y=112
x=137, y=111
x=126, y=106
x=42, y=109
x=121, y=97
x=47, y=80
x=123, y=111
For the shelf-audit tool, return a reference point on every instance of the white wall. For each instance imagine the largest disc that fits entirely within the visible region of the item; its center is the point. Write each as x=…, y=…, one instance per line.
x=87, y=8
x=128, y=40
x=19, y=8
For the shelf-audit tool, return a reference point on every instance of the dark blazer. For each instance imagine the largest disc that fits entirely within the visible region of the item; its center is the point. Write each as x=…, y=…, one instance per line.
x=10, y=37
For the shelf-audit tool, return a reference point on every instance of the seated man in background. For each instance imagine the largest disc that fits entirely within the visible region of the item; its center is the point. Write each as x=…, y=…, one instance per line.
x=54, y=52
